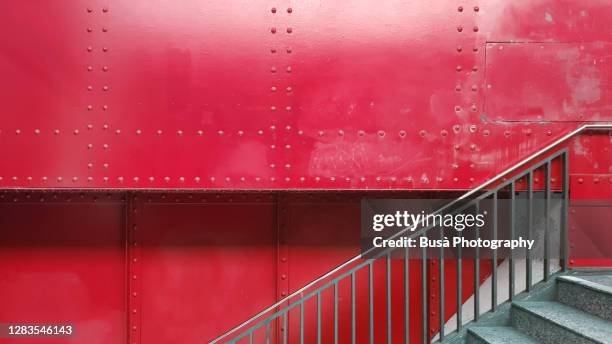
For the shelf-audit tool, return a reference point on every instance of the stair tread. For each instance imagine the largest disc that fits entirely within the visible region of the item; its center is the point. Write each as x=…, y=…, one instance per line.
x=599, y=283
x=501, y=335
x=577, y=321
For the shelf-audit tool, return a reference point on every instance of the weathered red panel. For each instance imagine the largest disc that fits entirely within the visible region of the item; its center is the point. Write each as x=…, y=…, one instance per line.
x=351, y=95
x=548, y=81
x=58, y=268
x=204, y=266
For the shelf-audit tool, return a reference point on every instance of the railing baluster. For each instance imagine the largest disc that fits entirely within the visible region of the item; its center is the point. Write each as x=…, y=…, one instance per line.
x=424, y=315
x=336, y=313
x=459, y=288
x=371, y=290
x=477, y=270
x=529, y=277
x=251, y=337
x=441, y=279
x=547, y=222
x=319, y=317
x=494, y=259
x=564, y=236
x=285, y=330
x=389, y=320
x=511, y=258
x=268, y=333
x=302, y=323
x=406, y=295
x=353, y=318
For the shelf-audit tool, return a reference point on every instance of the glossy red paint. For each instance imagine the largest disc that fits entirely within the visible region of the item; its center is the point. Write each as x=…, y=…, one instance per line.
x=58, y=268
x=235, y=95
x=351, y=95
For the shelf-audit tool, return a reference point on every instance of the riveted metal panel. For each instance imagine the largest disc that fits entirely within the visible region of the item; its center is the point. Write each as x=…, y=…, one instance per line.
x=234, y=95
x=62, y=269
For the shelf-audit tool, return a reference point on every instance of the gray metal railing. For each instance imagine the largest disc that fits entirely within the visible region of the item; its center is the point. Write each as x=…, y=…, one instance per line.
x=504, y=183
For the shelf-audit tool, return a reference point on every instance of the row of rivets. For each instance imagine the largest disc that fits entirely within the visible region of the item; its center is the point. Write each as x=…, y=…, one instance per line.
x=381, y=133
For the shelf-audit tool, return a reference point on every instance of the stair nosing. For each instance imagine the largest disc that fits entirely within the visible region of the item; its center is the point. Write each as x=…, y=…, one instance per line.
x=586, y=284
x=518, y=304
x=476, y=334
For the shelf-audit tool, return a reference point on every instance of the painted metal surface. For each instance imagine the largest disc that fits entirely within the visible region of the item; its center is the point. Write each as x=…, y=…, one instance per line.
x=309, y=95
x=258, y=95
x=58, y=268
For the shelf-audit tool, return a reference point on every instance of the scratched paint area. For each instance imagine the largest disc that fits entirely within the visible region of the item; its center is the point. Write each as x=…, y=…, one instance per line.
x=306, y=95
x=550, y=81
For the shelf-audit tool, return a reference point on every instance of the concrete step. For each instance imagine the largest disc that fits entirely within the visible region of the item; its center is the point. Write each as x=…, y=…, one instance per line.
x=590, y=293
x=497, y=335
x=552, y=322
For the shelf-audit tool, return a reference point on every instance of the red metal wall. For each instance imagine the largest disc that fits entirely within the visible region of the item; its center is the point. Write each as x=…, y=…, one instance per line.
x=262, y=95
x=278, y=95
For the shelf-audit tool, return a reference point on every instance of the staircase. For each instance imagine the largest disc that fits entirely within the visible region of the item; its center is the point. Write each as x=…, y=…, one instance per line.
x=574, y=308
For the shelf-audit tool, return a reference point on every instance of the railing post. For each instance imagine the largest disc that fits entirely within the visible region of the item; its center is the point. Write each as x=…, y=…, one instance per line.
x=494, y=258
x=547, y=223
x=564, y=224
x=528, y=277
x=441, y=279
x=511, y=258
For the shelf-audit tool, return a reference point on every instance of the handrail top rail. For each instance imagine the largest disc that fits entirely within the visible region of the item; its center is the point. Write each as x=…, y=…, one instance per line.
x=482, y=186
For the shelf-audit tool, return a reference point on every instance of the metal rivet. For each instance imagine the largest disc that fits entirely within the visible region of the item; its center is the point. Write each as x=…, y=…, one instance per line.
x=273, y=30
x=476, y=8
x=459, y=48
x=460, y=8
x=289, y=69
x=90, y=48
x=289, y=30
x=289, y=10
x=459, y=28
x=458, y=68
x=273, y=69
x=273, y=10
x=273, y=88
x=475, y=29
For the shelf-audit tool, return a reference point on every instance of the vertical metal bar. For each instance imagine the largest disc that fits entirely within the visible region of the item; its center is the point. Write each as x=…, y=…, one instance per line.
x=424, y=315
x=353, y=318
x=494, y=259
x=285, y=330
x=336, y=313
x=477, y=270
x=302, y=322
x=406, y=296
x=547, y=223
x=371, y=290
x=268, y=333
x=318, y=317
x=564, y=235
x=459, y=287
x=251, y=337
x=389, y=320
x=511, y=258
x=529, y=277
x=441, y=279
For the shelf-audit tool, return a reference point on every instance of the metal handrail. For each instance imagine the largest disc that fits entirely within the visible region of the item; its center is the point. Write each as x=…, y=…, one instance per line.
x=479, y=188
